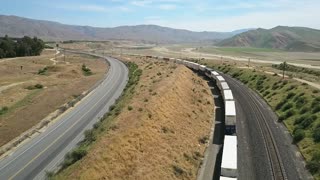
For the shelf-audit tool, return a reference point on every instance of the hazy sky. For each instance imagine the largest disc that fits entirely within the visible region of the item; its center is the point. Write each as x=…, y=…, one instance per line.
x=197, y=15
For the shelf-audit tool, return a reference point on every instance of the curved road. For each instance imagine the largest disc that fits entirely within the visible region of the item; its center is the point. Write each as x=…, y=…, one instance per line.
x=47, y=150
x=253, y=115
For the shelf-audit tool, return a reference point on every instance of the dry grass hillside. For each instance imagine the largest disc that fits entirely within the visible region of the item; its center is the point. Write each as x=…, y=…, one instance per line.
x=29, y=96
x=160, y=134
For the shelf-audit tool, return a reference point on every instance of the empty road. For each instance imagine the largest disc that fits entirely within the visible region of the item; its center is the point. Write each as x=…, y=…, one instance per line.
x=46, y=151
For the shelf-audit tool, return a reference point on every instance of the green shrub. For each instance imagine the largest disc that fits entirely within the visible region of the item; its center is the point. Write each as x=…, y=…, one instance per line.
x=43, y=71
x=316, y=134
x=304, y=110
x=298, y=135
x=315, y=91
x=308, y=121
x=112, y=107
x=130, y=108
x=177, y=170
x=299, y=119
x=289, y=113
x=290, y=95
x=74, y=156
x=203, y=140
x=38, y=86
x=291, y=87
x=316, y=109
x=3, y=110
x=316, y=156
x=89, y=136
x=287, y=106
x=313, y=166
x=301, y=101
x=86, y=71
x=279, y=105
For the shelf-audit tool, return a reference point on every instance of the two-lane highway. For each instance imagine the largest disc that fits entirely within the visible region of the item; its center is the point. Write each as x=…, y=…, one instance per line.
x=47, y=150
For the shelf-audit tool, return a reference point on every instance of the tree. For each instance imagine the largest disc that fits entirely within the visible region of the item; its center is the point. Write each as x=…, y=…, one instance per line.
x=25, y=46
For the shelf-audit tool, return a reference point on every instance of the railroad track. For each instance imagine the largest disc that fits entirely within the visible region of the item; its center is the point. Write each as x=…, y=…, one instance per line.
x=277, y=168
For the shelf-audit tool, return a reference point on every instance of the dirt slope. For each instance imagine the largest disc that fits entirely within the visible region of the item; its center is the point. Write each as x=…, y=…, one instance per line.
x=162, y=133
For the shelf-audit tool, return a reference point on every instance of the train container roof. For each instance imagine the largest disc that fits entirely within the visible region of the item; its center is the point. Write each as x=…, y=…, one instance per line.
x=215, y=73
x=230, y=108
x=224, y=85
x=229, y=155
x=220, y=78
x=228, y=94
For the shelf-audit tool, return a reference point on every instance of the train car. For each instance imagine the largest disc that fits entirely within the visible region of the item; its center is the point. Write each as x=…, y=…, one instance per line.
x=202, y=68
x=227, y=95
x=214, y=73
x=229, y=162
x=224, y=86
x=220, y=79
x=230, y=117
x=196, y=66
x=172, y=59
x=165, y=58
x=207, y=72
x=179, y=61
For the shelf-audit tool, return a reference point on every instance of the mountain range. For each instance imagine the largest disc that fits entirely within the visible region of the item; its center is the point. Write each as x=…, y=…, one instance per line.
x=280, y=37
x=15, y=26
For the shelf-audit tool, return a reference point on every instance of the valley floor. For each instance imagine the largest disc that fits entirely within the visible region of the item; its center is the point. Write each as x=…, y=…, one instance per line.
x=24, y=104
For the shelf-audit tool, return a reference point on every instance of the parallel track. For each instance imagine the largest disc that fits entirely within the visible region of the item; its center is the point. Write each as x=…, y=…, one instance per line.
x=277, y=168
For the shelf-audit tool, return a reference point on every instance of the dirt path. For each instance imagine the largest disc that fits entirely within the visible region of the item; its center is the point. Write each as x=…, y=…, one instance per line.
x=56, y=61
x=297, y=79
x=3, y=88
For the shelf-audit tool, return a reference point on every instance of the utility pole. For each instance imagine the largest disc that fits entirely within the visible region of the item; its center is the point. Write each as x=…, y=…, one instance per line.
x=64, y=55
x=284, y=69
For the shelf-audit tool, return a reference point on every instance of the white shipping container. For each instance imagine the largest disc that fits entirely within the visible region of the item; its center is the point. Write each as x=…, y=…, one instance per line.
x=229, y=157
x=220, y=78
x=202, y=67
x=230, y=108
x=215, y=73
x=224, y=85
x=227, y=95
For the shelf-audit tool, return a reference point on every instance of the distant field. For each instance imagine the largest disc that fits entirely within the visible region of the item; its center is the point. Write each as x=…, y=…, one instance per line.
x=207, y=51
x=239, y=49
x=39, y=88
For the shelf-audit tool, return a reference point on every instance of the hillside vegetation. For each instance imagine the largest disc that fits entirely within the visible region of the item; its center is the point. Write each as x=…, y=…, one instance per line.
x=296, y=104
x=158, y=129
x=280, y=37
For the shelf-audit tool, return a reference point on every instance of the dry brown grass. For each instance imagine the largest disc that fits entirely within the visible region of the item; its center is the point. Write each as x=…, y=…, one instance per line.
x=28, y=107
x=172, y=108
